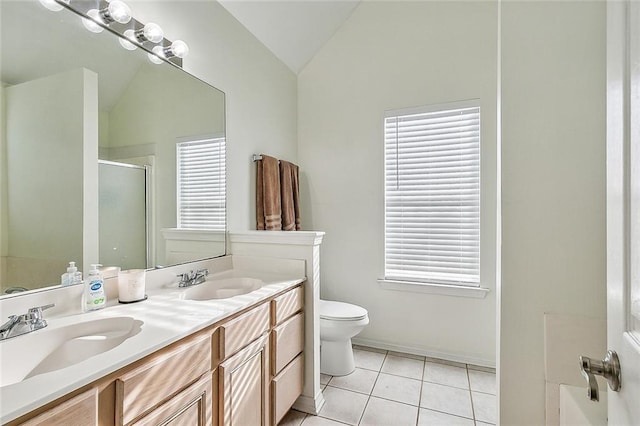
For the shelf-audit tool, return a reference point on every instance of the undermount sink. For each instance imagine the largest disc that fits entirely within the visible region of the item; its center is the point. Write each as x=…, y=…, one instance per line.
x=222, y=288
x=51, y=349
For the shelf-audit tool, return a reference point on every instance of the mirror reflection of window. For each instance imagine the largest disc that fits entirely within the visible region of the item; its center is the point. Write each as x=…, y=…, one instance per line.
x=201, y=197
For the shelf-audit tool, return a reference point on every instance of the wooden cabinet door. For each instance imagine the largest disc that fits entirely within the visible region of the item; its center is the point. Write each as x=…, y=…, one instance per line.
x=191, y=407
x=243, y=387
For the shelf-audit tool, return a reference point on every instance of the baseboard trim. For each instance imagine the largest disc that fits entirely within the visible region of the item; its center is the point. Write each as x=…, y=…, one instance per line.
x=309, y=405
x=431, y=353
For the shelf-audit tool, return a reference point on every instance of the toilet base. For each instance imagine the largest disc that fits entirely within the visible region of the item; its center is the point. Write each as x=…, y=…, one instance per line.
x=336, y=358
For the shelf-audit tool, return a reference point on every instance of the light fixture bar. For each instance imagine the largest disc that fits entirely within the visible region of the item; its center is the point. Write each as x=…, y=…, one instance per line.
x=115, y=16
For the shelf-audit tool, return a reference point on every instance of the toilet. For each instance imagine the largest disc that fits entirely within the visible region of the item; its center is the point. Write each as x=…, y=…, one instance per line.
x=339, y=322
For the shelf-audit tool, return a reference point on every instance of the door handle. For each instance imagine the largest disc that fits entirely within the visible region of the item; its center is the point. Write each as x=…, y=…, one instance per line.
x=609, y=368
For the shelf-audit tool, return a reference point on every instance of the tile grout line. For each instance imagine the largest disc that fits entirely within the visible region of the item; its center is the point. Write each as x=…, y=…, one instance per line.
x=449, y=414
x=444, y=384
x=333, y=420
x=374, y=385
x=439, y=361
x=484, y=393
x=396, y=375
x=350, y=390
x=424, y=370
x=363, y=411
x=395, y=401
x=473, y=409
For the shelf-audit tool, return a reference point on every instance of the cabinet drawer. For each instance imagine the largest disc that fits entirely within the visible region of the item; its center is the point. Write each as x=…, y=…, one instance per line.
x=286, y=387
x=243, y=330
x=287, y=342
x=288, y=304
x=191, y=407
x=162, y=376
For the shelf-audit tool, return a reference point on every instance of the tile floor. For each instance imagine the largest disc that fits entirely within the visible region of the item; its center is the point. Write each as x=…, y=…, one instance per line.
x=394, y=389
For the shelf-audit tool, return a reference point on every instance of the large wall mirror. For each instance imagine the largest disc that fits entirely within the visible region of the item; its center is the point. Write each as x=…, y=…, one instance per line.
x=105, y=157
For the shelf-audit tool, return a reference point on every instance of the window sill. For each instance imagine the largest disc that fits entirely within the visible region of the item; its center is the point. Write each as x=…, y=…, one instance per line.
x=429, y=288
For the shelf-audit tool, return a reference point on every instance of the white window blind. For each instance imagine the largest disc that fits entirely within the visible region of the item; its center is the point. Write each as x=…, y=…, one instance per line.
x=432, y=194
x=201, y=184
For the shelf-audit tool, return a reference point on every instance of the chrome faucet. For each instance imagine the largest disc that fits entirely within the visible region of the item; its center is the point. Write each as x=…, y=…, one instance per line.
x=192, y=278
x=25, y=323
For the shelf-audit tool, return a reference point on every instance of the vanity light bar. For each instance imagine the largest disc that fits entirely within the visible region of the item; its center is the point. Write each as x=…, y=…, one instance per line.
x=115, y=16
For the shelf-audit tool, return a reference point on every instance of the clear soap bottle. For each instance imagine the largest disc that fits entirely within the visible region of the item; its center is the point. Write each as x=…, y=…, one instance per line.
x=72, y=276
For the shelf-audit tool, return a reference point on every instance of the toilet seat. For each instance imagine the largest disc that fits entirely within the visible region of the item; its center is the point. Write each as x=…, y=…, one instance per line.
x=340, y=311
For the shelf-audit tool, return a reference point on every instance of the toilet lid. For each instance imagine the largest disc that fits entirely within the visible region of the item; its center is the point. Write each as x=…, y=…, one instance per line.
x=341, y=311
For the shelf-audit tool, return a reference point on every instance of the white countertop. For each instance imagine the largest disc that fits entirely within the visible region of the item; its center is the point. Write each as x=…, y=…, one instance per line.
x=166, y=318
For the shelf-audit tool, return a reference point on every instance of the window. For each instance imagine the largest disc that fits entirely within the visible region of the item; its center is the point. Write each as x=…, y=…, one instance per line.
x=201, y=183
x=432, y=194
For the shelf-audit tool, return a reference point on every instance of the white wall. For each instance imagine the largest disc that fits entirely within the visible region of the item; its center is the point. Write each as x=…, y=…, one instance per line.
x=260, y=91
x=391, y=55
x=553, y=185
x=46, y=137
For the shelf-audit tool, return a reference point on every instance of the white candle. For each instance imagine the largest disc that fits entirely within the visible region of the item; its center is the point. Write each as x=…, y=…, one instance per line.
x=131, y=285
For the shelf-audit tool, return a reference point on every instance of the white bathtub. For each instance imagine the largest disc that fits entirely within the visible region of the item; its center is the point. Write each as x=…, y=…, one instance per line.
x=577, y=409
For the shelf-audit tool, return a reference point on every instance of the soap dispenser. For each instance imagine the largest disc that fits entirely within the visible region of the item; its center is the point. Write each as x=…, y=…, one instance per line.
x=72, y=276
x=94, y=296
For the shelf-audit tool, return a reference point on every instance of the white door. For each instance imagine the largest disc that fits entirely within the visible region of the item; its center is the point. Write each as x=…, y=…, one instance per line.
x=623, y=205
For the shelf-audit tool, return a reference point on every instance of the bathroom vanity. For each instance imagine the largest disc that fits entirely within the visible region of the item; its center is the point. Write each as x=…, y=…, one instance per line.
x=232, y=361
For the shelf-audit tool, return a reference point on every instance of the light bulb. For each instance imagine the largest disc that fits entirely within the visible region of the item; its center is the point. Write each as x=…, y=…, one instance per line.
x=151, y=32
x=53, y=5
x=126, y=42
x=117, y=11
x=157, y=55
x=91, y=24
x=179, y=49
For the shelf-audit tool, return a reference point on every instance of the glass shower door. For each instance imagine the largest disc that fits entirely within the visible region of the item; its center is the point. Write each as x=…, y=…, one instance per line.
x=122, y=212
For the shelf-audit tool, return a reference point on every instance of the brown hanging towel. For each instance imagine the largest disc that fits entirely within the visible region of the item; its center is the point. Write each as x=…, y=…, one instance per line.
x=290, y=196
x=268, y=210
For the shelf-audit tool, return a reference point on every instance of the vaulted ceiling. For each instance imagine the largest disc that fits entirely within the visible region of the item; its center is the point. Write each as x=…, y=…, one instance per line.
x=293, y=30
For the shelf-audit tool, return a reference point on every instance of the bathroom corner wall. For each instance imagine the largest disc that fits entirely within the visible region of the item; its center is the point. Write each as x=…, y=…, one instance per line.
x=260, y=90
x=553, y=185
x=390, y=55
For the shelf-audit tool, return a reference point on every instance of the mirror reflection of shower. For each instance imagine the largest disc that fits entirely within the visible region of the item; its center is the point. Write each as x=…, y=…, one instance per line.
x=124, y=214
